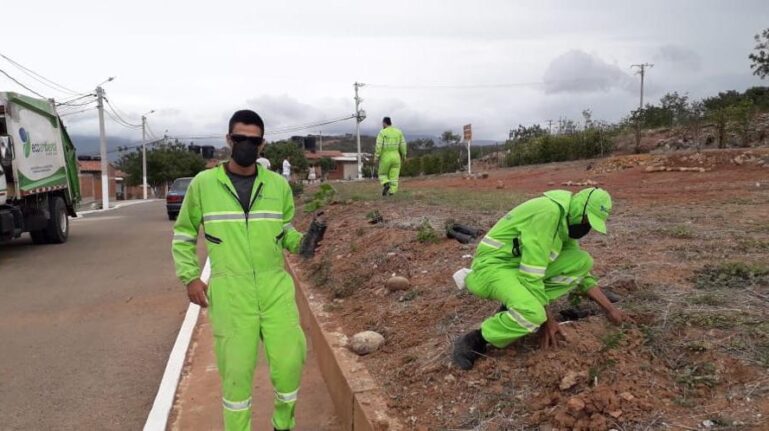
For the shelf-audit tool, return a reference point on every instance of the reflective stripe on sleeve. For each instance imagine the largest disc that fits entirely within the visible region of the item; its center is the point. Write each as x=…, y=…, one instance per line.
x=236, y=406
x=287, y=397
x=491, y=242
x=553, y=255
x=530, y=269
x=287, y=227
x=519, y=319
x=184, y=238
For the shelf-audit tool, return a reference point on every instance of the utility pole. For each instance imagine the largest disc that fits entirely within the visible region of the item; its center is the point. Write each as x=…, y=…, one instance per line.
x=642, y=72
x=320, y=135
x=103, y=150
x=550, y=126
x=144, y=154
x=359, y=116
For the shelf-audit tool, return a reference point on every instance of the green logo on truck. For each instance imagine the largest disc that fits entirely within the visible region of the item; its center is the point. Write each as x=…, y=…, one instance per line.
x=25, y=139
x=45, y=148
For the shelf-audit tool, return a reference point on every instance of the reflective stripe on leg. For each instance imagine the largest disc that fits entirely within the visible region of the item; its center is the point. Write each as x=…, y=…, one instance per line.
x=236, y=406
x=286, y=397
x=520, y=320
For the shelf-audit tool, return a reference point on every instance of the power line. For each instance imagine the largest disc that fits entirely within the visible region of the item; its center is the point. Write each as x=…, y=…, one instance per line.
x=69, y=101
x=112, y=112
x=40, y=78
x=120, y=122
x=67, y=114
x=24, y=86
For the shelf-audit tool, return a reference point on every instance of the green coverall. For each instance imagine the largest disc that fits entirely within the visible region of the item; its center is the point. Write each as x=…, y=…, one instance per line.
x=251, y=296
x=527, y=260
x=390, y=149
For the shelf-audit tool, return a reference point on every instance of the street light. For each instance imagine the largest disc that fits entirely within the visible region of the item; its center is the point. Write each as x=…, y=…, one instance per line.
x=144, y=153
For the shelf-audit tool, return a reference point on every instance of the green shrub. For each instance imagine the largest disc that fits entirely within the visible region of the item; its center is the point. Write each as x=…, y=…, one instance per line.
x=426, y=233
x=321, y=198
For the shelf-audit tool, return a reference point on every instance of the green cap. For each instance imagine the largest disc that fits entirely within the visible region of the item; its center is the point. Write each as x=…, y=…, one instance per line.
x=598, y=208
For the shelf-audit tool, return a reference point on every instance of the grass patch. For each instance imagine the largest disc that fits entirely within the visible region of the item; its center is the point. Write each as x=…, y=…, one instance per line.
x=680, y=231
x=711, y=299
x=731, y=275
x=693, y=375
x=752, y=244
x=485, y=201
x=426, y=233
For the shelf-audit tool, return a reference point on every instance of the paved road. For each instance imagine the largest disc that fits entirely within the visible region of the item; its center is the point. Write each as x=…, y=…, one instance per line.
x=86, y=326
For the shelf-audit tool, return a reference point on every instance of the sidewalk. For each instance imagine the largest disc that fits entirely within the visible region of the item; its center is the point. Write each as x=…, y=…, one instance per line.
x=198, y=404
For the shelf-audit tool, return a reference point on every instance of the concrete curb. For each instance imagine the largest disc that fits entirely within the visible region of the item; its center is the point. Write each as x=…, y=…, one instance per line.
x=157, y=420
x=120, y=205
x=359, y=403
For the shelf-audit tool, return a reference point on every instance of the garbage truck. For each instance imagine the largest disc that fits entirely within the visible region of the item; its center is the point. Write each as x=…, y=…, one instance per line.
x=39, y=185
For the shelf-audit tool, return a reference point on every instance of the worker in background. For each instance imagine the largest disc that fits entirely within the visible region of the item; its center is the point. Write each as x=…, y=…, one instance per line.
x=245, y=211
x=390, y=150
x=527, y=260
x=264, y=161
x=286, y=169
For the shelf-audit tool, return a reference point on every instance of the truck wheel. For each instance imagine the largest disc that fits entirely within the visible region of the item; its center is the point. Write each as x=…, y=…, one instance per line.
x=58, y=226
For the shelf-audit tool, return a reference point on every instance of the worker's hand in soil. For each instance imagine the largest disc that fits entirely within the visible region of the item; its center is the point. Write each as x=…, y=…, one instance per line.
x=614, y=314
x=196, y=291
x=550, y=334
x=618, y=317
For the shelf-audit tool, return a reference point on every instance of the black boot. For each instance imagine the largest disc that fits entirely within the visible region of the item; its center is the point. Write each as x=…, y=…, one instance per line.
x=467, y=348
x=386, y=189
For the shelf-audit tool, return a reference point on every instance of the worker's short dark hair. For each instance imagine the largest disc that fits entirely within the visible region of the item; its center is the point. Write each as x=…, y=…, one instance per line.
x=387, y=121
x=246, y=116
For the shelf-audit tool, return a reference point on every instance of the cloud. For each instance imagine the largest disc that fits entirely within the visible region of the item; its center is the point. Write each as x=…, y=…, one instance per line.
x=579, y=72
x=683, y=58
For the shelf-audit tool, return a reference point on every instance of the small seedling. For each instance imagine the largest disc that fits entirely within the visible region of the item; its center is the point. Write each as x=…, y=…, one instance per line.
x=612, y=340
x=426, y=233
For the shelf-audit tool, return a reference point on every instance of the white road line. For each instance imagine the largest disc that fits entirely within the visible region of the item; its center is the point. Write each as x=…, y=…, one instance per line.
x=120, y=205
x=164, y=400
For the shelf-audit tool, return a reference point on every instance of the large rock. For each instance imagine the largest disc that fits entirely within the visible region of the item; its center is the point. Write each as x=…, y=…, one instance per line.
x=366, y=342
x=397, y=283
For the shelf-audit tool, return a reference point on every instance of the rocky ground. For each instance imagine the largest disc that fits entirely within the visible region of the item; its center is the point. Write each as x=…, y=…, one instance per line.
x=686, y=254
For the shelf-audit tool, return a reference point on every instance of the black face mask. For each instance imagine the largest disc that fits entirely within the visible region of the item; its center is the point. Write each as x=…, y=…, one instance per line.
x=244, y=153
x=577, y=231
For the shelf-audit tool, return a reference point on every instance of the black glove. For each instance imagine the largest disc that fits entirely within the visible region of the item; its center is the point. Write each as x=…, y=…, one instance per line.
x=312, y=237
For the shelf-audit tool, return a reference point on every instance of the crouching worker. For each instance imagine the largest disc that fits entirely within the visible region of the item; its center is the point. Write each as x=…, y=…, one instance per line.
x=245, y=211
x=528, y=259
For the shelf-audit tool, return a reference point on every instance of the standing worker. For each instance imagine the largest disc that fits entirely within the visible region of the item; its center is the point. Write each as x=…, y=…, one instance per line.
x=528, y=259
x=390, y=150
x=245, y=211
x=286, y=169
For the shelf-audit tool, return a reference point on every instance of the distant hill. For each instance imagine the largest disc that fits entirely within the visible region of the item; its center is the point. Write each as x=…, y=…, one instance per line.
x=89, y=145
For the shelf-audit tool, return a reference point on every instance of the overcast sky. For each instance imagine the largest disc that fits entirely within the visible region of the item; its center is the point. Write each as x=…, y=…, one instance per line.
x=431, y=65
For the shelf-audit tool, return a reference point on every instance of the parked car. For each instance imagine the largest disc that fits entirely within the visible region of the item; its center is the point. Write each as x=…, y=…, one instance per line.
x=175, y=196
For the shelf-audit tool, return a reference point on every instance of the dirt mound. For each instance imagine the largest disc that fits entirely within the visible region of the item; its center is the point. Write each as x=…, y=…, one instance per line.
x=696, y=355
x=706, y=160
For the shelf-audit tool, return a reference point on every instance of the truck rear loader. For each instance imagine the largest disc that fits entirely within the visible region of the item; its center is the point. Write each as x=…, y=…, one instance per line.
x=39, y=185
